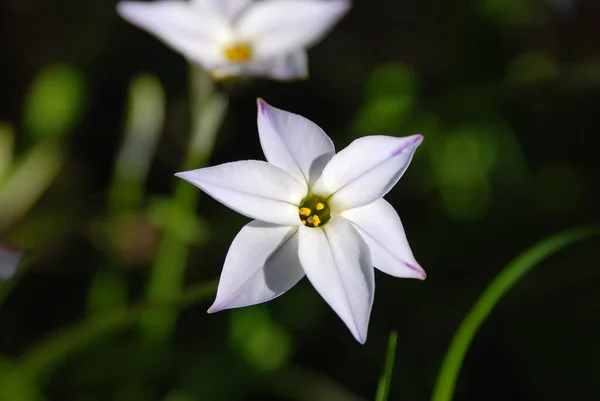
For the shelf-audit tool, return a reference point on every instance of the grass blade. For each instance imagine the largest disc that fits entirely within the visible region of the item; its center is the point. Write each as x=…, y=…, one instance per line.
x=508, y=277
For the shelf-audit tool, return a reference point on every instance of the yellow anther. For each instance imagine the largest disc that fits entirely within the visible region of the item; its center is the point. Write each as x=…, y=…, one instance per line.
x=240, y=53
x=304, y=211
x=314, y=220
x=314, y=211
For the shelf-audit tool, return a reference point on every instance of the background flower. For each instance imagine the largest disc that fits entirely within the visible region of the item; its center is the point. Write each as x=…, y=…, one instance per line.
x=234, y=37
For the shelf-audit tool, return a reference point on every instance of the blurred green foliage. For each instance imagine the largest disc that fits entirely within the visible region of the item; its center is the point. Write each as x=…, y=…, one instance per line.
x=7, y=137
x=55, y=102
x=390, y=96
x=264, y=344
x=467, y=158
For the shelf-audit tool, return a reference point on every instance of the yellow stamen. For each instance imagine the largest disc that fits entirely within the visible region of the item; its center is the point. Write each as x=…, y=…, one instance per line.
x=314, y=211
x=314, y=220
x=304, y=211
x=239, y=53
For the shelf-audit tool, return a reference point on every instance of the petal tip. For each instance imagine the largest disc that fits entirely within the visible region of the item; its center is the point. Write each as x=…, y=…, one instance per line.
x=214, y=308
x=360, y=333
x=262, y=105
x=420, y=273
x=417, y=139
x=188, y=175
x=408, y=145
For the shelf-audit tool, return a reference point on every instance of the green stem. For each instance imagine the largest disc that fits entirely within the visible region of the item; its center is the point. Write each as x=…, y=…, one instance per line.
x=383, y=389
x=145, y=122
x=508, y=277
x=168, y=271
x=144, y=125
x=39, y=360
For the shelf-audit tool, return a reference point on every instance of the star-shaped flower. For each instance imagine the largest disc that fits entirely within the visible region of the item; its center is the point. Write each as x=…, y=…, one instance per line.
x=235, y=37
x=317, y=213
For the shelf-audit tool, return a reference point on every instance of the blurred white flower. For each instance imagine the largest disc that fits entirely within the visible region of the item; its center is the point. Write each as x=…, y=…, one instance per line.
x=316, y=213
x=235, y=37
x=9, y=261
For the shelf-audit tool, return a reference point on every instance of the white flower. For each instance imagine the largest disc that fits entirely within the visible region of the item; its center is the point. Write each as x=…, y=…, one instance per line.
x=9, y=261
x=233, y=37
x=316, y=213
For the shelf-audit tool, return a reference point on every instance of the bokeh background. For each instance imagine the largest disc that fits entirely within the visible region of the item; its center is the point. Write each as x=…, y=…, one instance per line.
x=507, y=96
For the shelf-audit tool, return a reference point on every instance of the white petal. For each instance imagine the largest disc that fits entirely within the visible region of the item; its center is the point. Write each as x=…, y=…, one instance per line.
x=292, y=66
x=193, y=32
x=366, y=170
x=293, y=143
x=382, y=230
x=280, y=27
x=288, y=67
x=229, y=9
x=337, y=262
x=9, y=261
x=253, y=188
x=225, y=71
x=261, y=264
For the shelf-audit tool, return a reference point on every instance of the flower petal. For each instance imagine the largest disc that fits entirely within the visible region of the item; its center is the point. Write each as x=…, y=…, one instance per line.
x=279, y=27
x=9, y=261
x=261, y=264
x=226, y=71
x=253, y=188
x=192, y=31
x=337, y=262
x=288, y=67
x=382, y=230
x=293, y=143
x=229, y=9
x=366, y=170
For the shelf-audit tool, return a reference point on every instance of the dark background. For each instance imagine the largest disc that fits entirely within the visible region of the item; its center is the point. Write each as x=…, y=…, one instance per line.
x=507, y=96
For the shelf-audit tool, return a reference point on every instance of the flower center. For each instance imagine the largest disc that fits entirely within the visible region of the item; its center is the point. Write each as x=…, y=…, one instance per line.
x=314, y=211
x=238, y=53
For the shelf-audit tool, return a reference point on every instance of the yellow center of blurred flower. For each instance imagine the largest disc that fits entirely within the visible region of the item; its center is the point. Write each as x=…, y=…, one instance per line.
x=314, y=211
x=239, y=53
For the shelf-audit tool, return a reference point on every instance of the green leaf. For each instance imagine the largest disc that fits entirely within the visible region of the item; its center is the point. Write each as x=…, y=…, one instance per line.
x=508, y=277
